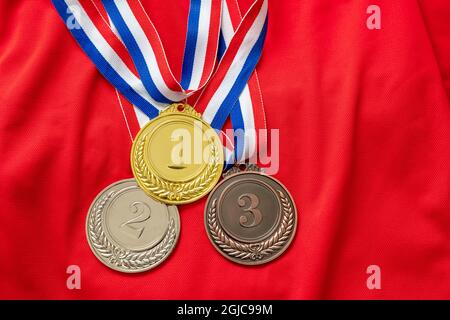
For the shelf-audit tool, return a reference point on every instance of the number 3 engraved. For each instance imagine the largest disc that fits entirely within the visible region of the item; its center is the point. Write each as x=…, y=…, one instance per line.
x=144, y=213
x=250, y=210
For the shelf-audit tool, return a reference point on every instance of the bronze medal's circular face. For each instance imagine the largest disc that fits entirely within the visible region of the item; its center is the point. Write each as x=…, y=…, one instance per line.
x=129, y=231
x=177, y=157
x=250, y=218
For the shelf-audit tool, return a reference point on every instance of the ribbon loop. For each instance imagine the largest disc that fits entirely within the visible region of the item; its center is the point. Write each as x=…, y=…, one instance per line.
x=129, y=53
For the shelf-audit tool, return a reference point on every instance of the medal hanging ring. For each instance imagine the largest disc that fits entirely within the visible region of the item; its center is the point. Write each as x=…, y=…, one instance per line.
x=177, y=157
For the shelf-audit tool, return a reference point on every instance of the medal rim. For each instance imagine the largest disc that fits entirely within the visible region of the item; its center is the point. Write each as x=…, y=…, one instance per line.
x=167, y=113
x=118, y=269
x=251, y=262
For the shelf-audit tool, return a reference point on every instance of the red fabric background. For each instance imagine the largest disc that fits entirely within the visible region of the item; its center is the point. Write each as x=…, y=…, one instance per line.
x=364, y=124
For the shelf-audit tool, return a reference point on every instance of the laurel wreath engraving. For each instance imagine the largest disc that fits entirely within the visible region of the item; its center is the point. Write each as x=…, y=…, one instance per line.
x=170, y=190
x=254, y=251
x=119, y=257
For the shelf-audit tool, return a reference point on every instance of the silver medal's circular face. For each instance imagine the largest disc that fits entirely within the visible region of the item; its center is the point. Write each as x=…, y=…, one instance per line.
x=250, y=218
x=129, y=231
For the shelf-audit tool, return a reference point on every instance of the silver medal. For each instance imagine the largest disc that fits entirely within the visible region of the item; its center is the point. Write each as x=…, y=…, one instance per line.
x=129, y=231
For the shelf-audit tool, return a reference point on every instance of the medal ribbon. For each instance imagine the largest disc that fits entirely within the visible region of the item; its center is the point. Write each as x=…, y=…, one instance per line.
x=248, y=114
x=134, y=61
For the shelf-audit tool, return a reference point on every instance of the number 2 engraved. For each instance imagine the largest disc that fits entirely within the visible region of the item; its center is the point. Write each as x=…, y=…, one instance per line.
x=134, y=225
x=250, y=210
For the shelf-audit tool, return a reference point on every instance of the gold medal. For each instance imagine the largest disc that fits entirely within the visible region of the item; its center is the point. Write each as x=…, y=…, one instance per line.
x=177, y=157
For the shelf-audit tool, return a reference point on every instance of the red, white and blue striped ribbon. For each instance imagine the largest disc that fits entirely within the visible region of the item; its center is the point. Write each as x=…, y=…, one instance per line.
x=134, y=60
x=248, y=114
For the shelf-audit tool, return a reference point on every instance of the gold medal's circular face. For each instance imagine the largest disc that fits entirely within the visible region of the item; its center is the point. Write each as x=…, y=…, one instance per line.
x=129, y=231
x=177, y=157
x=250, y=218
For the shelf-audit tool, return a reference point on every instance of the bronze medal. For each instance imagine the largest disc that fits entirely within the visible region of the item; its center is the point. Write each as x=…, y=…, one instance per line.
x=250, y=217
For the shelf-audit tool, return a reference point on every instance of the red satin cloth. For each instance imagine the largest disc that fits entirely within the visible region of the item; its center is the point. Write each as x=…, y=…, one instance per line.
x=364, y=122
